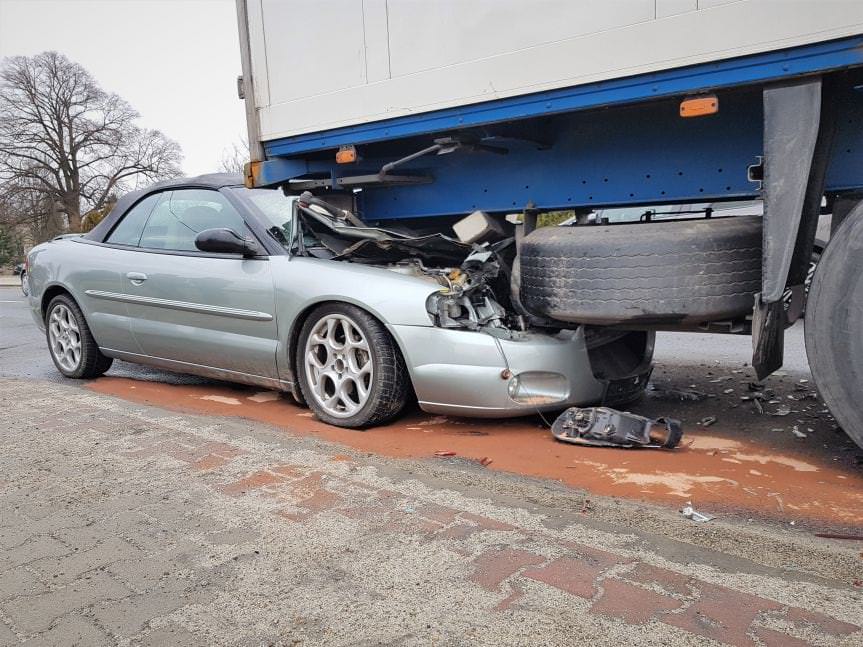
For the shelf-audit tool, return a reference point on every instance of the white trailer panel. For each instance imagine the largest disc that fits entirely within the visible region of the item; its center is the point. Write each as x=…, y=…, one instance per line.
x=322, y=64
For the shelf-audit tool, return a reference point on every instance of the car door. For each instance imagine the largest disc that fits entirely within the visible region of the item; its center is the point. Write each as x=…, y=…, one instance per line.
x=196, y=308
x=95, y=272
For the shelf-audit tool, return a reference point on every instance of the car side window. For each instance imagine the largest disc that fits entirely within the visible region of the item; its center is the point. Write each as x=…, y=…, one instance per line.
x=128, y=230
x=182, y=214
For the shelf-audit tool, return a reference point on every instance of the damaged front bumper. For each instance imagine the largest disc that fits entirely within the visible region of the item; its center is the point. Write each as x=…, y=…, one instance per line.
x=467, y=373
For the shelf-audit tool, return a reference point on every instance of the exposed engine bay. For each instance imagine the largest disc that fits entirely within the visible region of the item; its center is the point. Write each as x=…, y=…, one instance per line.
x=474, y=277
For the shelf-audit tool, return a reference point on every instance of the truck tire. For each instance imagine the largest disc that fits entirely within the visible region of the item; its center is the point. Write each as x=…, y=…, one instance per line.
x=671, y=272
x=834, y=325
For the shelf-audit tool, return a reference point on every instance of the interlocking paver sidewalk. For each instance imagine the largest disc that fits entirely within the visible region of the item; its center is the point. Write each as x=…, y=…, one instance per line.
x=129, y=525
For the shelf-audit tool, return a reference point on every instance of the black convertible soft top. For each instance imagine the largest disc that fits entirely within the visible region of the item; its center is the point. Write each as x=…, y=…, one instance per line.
x=209, y=181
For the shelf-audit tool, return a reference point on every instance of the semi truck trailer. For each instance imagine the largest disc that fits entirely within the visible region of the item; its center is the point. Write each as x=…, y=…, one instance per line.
x=472, y=120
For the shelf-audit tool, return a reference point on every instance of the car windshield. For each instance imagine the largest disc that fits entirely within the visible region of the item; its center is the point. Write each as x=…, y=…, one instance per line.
x=276, y=209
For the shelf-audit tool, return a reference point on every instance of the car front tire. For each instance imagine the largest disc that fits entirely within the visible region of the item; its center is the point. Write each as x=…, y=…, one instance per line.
x=350, y=369
x=72, y=347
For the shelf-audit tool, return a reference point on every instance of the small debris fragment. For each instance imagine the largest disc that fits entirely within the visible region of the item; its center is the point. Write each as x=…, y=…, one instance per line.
x=727, y=391
x=691, y=513
x=665, y=393
x=780, y=411
x=444, y=453
x=796, y=431
x=706, y=422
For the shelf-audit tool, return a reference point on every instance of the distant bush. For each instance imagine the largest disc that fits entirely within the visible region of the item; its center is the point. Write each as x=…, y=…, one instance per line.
x=552, y=218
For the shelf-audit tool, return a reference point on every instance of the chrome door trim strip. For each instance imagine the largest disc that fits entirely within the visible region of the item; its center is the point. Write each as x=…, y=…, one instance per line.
x=202, y=308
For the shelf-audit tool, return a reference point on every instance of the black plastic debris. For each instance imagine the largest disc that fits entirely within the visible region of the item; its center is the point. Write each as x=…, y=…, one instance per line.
x=604, y=427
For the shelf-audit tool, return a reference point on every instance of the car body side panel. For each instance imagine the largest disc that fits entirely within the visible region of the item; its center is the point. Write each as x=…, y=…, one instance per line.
x=78, y=268
x=303, y=282
x=204, y=311
x=466, y=373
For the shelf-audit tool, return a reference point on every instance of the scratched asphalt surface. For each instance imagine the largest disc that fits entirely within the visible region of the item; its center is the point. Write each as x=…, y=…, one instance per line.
x=129, y=524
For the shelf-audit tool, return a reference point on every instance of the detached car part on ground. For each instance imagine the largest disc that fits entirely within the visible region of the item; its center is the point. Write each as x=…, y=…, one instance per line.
x=203, y=276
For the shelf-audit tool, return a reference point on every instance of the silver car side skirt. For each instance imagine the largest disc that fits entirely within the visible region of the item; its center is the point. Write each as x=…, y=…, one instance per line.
x=199, y=369
x=201, y=308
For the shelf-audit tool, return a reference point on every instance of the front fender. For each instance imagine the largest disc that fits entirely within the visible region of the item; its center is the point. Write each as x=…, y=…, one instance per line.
x=393, y=298
x=303, y=283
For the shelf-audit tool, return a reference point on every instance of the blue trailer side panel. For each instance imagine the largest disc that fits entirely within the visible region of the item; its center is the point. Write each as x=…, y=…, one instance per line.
x=609, y=144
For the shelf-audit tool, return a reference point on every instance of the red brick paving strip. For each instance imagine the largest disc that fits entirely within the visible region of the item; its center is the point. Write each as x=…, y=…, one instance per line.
x=572, y=575
x=722, y=614
x=632, y=604
x=718, y=612
x=493, y=567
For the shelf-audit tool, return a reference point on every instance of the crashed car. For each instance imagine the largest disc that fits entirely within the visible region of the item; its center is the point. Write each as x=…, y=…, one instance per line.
x=204, y=276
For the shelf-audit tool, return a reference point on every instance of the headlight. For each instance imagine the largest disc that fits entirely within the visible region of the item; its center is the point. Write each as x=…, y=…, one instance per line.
x=538, y=388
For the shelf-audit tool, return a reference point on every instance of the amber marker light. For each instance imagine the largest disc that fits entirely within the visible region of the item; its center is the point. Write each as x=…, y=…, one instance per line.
x=346, y=155
x=699, y=106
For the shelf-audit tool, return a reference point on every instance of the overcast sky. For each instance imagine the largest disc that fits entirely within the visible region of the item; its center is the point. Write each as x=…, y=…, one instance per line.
x=175, y=61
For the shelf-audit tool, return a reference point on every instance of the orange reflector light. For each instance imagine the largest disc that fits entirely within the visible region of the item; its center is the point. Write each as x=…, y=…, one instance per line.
x=346, y=155
x=699, y=106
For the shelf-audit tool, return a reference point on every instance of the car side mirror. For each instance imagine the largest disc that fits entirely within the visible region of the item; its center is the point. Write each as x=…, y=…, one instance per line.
x=226, y=241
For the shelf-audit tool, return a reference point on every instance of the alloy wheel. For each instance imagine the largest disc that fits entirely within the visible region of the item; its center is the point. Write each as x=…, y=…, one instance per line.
x=64, y=337
x=339, y=366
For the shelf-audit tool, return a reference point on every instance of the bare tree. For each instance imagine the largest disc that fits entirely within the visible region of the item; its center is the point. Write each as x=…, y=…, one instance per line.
x=65, y=138
x=33, y=214
x=234, y=157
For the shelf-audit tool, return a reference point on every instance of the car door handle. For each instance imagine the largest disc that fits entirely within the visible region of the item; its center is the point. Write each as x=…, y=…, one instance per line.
x=136, y=277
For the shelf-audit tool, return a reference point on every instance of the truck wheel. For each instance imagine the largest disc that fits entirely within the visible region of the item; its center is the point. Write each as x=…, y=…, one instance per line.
x=350, y=369
x=834, y=325
x=683, y=271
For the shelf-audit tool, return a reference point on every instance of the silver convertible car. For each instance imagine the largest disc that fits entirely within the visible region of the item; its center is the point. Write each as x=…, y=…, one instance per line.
x=201, y=275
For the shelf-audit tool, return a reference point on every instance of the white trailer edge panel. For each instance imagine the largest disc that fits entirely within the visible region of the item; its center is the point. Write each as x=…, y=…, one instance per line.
x=322, y=64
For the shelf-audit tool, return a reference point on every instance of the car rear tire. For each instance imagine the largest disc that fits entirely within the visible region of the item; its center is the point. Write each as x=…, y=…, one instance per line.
x=834, y=325
x=671, y=272
x=72, y=347
x=350, y=370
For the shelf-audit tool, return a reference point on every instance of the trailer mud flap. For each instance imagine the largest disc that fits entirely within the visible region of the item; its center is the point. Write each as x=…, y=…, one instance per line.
x=798, y=134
